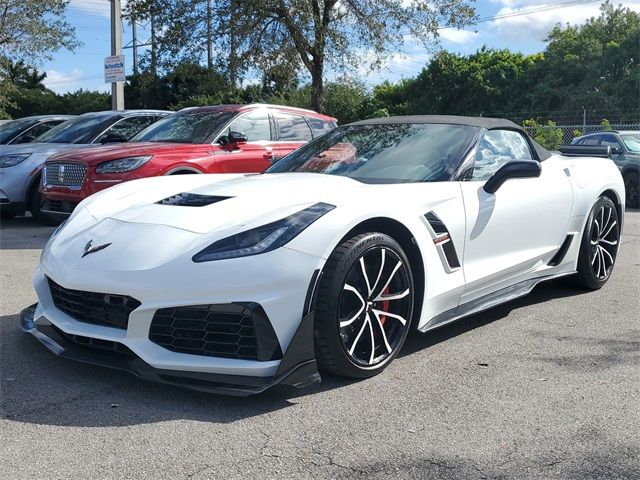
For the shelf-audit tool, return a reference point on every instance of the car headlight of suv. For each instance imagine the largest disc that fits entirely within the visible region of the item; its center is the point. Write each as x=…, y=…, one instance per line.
x=123, y=164
x=265, y=238
x=13, y=159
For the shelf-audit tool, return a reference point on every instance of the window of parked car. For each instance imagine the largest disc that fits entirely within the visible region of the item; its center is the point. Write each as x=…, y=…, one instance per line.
x=82, y=129
x=592, y=140
x=320, y=127
x=631, y=141
x=255, y=125
x=496, y=148
x=126, y=128
x=293, y=128
x=31, y=134
x=610, y=140
x=189, y=126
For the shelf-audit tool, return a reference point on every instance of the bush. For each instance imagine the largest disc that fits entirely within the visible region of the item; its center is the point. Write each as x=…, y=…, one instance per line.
x=549, y=135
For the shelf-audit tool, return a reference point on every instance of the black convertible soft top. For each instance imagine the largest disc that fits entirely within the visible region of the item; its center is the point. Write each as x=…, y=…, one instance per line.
x=480, y=122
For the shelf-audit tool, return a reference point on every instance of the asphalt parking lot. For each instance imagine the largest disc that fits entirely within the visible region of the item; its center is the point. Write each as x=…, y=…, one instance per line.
x=544, y=387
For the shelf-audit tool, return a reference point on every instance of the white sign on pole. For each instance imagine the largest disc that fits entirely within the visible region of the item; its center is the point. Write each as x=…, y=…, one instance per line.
x=114, y=69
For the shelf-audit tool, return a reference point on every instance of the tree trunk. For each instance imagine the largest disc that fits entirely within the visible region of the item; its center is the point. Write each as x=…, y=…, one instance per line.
x=317, y=88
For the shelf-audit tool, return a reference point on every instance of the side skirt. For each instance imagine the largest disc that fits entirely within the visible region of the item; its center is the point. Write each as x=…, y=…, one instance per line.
x=486, y=302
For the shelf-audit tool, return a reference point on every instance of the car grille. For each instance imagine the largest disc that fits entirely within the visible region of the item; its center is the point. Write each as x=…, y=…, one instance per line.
x=64, y=174
x=211, y=330
x=91, y=307
x=97, y=344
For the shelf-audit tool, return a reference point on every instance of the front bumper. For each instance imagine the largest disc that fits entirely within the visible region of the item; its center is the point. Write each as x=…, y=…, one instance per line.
x=297, y=368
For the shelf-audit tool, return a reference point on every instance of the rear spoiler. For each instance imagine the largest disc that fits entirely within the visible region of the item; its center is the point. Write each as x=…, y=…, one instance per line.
x=588, y=150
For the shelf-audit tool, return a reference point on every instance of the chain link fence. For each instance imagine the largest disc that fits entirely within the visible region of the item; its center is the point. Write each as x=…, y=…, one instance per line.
x=569, y=132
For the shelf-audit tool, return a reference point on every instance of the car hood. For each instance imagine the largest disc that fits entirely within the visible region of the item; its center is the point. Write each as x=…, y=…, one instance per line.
x=236, y=199
x=40, y=148
x=95, y=155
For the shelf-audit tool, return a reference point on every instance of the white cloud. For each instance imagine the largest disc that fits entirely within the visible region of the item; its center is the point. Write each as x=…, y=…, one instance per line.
x=536, y=25
x=458, y=36
x=100, y=8
x=62, y=82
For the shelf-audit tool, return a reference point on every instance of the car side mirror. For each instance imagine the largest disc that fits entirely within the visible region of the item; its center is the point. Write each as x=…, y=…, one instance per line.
x=512, y=169
x=615, y=150
x=237, y=138
x=113, y=138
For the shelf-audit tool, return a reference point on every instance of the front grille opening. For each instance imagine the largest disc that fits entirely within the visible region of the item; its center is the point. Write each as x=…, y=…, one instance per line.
x=91, y=307
x=97, y=344
x=69, y=175
x=226, y=330
x=191, y=200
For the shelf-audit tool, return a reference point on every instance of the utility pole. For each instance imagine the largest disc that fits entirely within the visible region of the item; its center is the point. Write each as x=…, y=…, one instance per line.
x=209, y=31
x=154, y=57
x=117, y=88
x=134, y=34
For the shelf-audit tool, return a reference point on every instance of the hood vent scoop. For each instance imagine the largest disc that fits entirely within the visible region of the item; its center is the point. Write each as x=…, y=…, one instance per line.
x=191, y=200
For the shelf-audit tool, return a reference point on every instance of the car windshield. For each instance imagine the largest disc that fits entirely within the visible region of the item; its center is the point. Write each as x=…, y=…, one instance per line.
x=186, y=127
x=11, y=129
x=78, y=130
x=384, y=153
x=631, y=141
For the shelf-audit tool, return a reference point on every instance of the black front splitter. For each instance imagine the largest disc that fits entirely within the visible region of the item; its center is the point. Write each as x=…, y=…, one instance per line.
x=297, y=368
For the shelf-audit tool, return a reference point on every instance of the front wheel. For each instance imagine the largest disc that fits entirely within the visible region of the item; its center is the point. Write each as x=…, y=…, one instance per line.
x=599, y=246
x=364, y=306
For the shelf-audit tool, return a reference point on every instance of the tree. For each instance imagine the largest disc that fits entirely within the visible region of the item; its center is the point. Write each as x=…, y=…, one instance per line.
x=321, y=33
x=595, y=65
x=24, y=76
x=30, y=30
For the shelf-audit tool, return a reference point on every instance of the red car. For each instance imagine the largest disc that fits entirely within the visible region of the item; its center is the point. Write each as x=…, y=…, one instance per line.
x=218, y=139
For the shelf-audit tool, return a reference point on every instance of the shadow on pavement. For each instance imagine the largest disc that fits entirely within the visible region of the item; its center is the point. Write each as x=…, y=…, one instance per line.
x=38, y=387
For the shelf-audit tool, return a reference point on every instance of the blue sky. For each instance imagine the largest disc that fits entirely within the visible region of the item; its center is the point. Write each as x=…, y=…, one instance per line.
x=83, y=68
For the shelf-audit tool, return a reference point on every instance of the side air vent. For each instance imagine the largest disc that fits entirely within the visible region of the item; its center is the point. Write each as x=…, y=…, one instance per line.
x=442, y=240
x=562, y=251
x=191, y=200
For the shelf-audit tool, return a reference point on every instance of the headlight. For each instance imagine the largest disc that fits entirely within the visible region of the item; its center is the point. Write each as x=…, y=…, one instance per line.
x=11, y=160
x=263, y=239
x=123, y=164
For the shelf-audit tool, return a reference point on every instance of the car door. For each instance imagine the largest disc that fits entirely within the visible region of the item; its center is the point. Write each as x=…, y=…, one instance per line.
x=609, y=139
x=512, y=232
x=252, y=157
x=293, y=131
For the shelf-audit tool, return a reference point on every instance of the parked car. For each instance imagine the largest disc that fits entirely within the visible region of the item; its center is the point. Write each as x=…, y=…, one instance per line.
x=25, y=130
x=216, y=139
x=20, y=165
x=625, y=152
x=235, y=283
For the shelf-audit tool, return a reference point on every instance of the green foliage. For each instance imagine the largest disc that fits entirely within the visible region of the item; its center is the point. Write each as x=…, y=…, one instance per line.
x=549, y=135
x=32, y=29
x=28, y=102
x=577, y=132
x=606, y=125
x=596, y=64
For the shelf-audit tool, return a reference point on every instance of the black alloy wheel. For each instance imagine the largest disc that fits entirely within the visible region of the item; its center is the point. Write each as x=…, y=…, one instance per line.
x=364, y=306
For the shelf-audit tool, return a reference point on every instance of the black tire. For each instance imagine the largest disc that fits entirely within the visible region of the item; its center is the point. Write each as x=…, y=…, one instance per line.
x=35, y=207
x=599, y=246
x=335, y=297
x=632, y=187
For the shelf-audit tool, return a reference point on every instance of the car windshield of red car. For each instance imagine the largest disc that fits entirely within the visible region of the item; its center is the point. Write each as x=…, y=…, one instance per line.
x=187, y=127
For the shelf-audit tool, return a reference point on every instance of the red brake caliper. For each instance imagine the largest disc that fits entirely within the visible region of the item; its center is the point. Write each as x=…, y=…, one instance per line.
x=385, y=306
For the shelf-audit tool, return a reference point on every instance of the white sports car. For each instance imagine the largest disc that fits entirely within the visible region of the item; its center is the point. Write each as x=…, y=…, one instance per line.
x=235, y=283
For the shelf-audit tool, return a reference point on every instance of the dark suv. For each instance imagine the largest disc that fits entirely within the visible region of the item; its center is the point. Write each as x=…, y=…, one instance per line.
x=625, y=152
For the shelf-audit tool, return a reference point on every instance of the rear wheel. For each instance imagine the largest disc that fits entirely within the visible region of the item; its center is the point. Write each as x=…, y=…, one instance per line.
x=599, y=246
x=364, y=306
x=632, y=187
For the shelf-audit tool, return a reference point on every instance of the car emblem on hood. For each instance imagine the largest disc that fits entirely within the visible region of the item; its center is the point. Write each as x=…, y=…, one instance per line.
x=89, y=249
